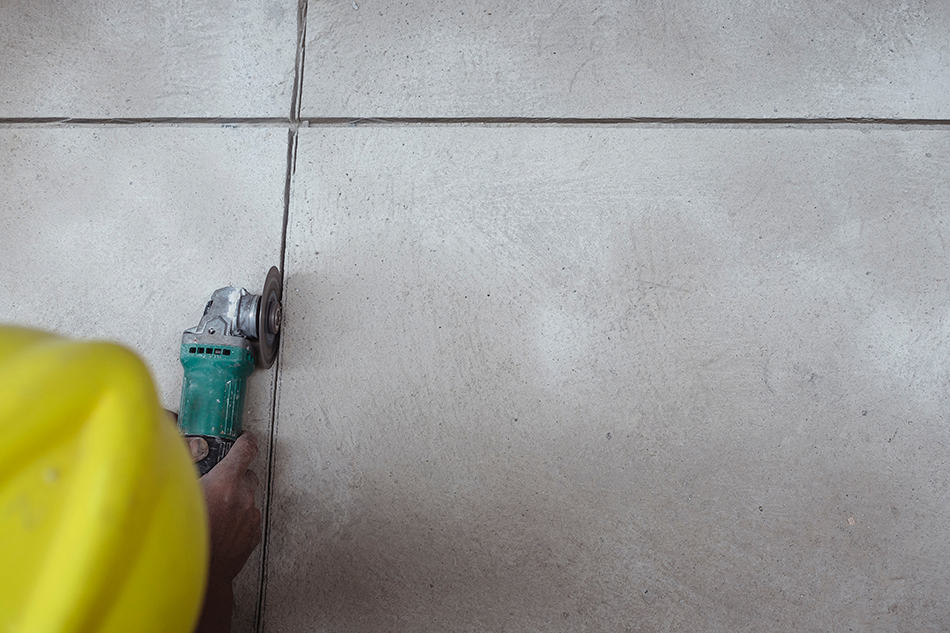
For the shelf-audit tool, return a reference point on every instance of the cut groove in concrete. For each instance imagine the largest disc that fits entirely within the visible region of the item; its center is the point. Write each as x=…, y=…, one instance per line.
x=288, y=181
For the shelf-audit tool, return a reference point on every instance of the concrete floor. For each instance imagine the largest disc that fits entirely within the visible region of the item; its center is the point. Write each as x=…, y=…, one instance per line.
x=537, y=375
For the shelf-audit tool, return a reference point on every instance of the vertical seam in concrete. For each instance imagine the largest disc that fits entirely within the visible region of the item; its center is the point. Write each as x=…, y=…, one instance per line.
x=288, y=188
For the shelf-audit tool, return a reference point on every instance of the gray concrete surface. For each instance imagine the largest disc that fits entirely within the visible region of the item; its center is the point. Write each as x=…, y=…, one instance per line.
x=100, y=59
x=613, y=379
x=122, y=234
x=718, y=58
x=536, y=377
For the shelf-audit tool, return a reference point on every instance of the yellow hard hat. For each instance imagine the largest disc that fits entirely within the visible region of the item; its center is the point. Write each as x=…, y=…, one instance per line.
x=102, y=521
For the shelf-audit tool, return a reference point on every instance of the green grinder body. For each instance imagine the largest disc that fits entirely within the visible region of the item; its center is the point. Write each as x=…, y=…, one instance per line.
x=212, y=396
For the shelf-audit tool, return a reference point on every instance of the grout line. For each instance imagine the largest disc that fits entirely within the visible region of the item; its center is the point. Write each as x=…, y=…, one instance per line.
x=292, y=134
x=268, y=480
x=301, y=61
x=288, y=181
x=619, y=121
x=295, y=97
x=145, y=121
x=295, y=120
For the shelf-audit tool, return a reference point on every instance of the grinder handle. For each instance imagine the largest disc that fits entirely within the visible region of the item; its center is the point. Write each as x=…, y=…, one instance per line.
x=212, y=399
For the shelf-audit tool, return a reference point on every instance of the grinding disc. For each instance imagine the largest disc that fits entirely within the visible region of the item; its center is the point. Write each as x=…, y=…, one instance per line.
x=268, y=320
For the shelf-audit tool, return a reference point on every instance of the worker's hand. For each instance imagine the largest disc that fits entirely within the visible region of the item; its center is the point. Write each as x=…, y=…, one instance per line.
x=235, y=525
x=233, y=517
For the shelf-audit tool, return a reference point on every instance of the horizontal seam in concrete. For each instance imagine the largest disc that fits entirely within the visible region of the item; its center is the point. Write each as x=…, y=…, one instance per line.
x=121, y=121
x=623, y=120
x=295, y=122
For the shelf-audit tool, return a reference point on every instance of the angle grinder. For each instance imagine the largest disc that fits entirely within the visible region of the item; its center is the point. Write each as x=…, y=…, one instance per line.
x=237, y=332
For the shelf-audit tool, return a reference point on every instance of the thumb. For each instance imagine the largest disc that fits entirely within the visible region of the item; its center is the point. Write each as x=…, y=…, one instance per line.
x=241, y=455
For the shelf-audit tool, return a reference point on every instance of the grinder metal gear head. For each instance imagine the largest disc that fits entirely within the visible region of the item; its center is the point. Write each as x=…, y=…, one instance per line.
x=234, y=313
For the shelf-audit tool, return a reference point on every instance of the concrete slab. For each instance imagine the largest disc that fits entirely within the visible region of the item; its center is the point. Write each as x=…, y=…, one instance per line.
x=614, y=379
x=100, y=59
x=123, y=233
x=720, y=58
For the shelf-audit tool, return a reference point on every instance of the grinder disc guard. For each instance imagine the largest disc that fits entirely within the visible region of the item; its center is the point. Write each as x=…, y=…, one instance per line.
x=268, y=320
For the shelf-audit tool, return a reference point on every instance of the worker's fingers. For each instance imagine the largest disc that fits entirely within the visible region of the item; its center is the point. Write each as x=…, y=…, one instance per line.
x=197, y=447
x=241, y=455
